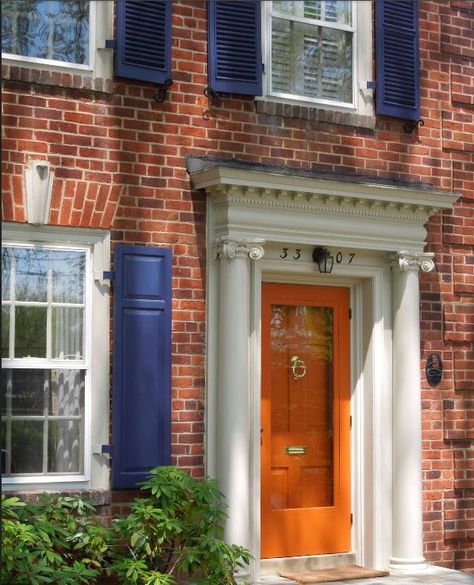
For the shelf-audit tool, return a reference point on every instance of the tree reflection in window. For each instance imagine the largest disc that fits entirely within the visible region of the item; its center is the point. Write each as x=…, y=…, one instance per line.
x=48, y=29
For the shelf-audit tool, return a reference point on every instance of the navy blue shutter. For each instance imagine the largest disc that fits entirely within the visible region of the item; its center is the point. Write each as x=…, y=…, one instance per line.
x=235, y=46
x=144, y=40
x=141, y=417
x=397, y=55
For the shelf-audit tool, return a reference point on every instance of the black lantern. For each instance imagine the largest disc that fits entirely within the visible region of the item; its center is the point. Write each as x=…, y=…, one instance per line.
x=324, y=260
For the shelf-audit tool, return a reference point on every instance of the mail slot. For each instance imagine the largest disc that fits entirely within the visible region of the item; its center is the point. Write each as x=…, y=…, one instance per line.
x=296, y=450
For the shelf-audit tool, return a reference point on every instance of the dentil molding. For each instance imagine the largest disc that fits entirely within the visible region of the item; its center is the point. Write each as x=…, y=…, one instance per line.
x=266, y=189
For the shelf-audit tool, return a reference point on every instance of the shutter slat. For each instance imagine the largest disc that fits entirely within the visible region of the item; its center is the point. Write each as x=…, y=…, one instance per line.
x=397, y=54
x=141, y=427
x=235, y=55
x=144, y=40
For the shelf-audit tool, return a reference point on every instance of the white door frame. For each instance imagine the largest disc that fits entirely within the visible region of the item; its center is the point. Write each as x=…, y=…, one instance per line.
x=251, y=216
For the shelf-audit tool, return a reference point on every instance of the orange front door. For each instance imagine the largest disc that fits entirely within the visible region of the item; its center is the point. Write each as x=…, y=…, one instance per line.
x=305, y=435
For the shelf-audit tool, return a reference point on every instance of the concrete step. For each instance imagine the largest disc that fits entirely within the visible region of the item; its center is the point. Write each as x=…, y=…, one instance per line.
x=297, y=564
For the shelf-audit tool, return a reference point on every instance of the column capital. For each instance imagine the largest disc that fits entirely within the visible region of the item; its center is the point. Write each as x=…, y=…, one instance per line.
x=232, y=248
x=416, y=261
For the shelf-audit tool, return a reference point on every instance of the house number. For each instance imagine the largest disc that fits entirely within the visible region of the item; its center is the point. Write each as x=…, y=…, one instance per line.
x=295, y=256
x=287, y=253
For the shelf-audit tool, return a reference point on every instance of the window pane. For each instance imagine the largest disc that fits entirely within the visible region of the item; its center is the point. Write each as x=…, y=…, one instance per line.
x=311, y=61
x=68, y=276
x=5, y=390
x=31, y=270
x=27, y=446
x=26, y=388
x=64, y=446
x=7, y=254
x=5, y=331
x=67, y=333
x=336, y=11
x=302, y=396
x=30, y=332
x=4, y=448
x=67, y=393
x=48, y=29
x=339, y=11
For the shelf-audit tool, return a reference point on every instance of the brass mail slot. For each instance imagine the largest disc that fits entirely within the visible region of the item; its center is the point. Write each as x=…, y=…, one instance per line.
x=296, y=450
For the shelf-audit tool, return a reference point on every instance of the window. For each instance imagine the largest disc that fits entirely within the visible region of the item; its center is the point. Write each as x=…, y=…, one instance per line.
x=65, y=34
x=312, y=49
x=49, y=370
x=315, y=53
x=47, y=29
x=318, y=51
x=44, y=324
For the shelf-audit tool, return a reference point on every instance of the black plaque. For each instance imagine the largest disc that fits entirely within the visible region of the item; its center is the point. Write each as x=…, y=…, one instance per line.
x=434, y=369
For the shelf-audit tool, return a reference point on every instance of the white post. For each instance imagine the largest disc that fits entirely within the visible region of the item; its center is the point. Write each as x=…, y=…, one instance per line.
x=233, y=406
x=407, y=537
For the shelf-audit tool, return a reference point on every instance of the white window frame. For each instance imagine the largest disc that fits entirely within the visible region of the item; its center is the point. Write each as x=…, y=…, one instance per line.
x=96, y=243
x=100, y=59
x=362, y=101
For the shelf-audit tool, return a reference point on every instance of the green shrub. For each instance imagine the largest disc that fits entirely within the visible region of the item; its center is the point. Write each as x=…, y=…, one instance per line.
x=57, y=539
x=176, y=530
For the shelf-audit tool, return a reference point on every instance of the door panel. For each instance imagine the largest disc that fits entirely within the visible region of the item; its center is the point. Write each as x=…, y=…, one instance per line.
x=305, y=420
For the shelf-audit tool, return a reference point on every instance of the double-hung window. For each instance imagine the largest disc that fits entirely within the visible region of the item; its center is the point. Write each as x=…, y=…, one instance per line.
x=318, y=53
x=312, y=50
x=63, y=34
x=53, y=369
x=315, y=53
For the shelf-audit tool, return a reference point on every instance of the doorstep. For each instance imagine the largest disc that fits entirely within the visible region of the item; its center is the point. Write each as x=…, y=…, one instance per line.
x=431, y=576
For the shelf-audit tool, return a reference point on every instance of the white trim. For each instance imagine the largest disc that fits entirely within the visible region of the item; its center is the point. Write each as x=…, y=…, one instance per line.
x=306, y=186
x=307, y=210
x=371, y=220
x=362, y=98
x=100, y=59
x=96, y=406
x=38, y=62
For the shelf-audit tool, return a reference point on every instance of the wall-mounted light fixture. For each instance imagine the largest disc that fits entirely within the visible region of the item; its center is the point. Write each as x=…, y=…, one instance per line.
x=324, y=260
x=38, y=188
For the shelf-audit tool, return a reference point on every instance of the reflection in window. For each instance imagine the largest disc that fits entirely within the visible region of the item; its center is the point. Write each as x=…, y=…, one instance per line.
x=311, y=49
x=302, y=406
x=44, y=370
x=45, y=302
x=57, y=30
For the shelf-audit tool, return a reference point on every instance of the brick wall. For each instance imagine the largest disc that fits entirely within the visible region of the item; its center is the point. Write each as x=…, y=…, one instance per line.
x=118, y=157
x=447, y=300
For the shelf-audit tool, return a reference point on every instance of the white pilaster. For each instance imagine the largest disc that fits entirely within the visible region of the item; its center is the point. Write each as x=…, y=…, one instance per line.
x=233, y=408
x=407, y=537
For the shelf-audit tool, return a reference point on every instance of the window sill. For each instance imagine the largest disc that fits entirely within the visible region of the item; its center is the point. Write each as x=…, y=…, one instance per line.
x=58, y=76
x=28, y=484
x=314, y=114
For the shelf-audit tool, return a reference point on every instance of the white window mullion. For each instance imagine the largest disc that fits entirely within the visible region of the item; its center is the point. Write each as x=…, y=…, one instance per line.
x=45, y=420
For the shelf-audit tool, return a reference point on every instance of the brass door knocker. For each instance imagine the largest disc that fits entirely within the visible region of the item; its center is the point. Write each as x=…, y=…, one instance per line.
x=297, y=367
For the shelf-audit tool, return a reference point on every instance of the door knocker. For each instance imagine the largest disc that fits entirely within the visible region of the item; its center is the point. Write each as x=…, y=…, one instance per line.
x=297, y=367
